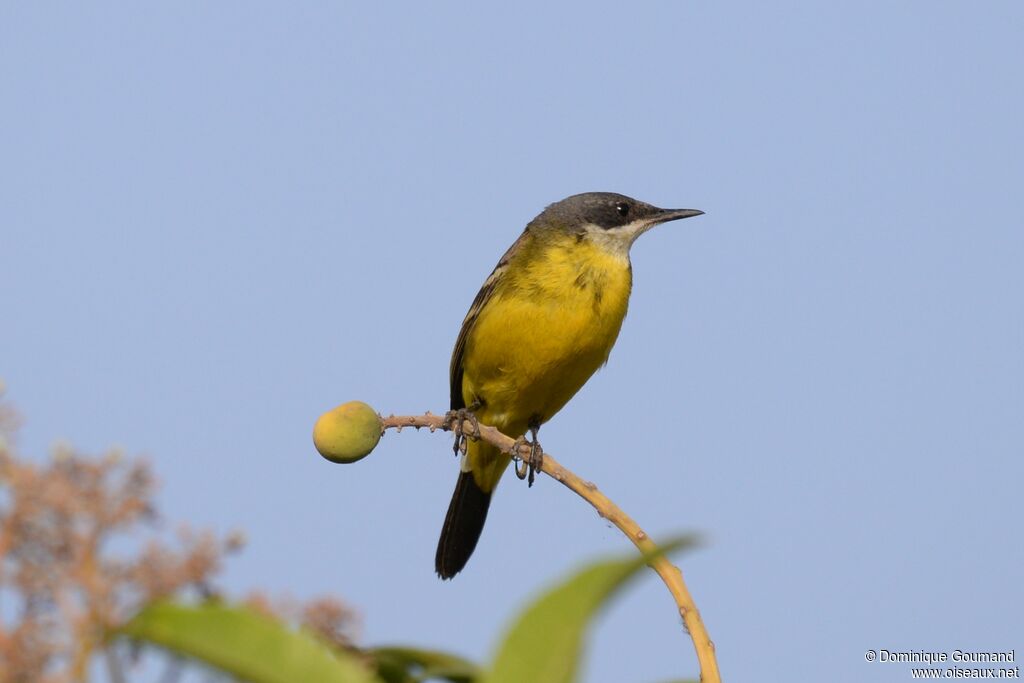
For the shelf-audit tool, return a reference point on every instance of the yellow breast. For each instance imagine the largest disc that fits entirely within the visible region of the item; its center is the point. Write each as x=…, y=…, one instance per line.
x=549, y=325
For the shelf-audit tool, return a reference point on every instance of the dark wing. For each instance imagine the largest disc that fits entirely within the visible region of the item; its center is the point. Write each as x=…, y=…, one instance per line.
x=482, y=297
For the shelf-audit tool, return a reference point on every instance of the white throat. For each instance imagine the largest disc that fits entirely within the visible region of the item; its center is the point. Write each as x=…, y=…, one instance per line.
x=617, y=241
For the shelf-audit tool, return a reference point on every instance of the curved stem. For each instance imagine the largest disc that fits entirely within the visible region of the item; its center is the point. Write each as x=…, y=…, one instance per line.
x=669, y=573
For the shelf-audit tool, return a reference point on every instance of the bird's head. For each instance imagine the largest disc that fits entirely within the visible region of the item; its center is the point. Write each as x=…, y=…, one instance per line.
x=610, y=220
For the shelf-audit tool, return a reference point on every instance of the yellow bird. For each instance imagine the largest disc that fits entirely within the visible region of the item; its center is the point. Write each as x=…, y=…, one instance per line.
x=542, y=324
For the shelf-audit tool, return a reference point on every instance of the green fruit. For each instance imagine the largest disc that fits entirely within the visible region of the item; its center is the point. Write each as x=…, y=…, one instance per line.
x=347, y=433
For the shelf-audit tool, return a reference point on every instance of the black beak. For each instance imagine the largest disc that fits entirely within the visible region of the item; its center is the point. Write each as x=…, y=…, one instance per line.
x=667, y=215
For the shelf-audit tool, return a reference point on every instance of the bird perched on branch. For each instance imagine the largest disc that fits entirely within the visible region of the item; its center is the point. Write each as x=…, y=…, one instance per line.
x=543, y=323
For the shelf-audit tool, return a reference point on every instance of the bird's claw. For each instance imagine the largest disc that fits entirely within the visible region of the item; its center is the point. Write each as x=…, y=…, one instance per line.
x=453, y=422
x=526, y=468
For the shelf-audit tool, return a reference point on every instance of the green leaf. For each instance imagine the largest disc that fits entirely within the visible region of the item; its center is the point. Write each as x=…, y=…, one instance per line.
x=244, y=643
x=411, y=665
x=545, y=644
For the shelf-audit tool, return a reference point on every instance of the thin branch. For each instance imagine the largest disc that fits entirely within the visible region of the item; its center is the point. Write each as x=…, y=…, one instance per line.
x=669, y=573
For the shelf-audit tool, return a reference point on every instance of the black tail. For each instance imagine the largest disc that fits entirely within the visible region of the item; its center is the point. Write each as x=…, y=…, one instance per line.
x=466, y=516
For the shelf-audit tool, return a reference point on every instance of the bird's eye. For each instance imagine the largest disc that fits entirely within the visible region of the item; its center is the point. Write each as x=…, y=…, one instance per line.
x=622, y=208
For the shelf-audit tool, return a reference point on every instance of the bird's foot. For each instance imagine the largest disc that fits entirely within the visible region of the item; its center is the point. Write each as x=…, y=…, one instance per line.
x=454, y=421
x=527, y=467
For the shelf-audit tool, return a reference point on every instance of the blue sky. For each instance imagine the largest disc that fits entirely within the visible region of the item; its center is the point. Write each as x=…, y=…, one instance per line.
x=219, y=221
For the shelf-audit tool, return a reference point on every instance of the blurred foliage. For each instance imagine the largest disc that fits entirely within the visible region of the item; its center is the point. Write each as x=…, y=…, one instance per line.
x=60, y=583
x=410, y=665
x=64, y=587
x=543, y=645
x=245, y=643
x=68, y=598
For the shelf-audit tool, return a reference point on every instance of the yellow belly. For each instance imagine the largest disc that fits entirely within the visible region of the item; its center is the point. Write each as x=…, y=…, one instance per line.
x=546, y=329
